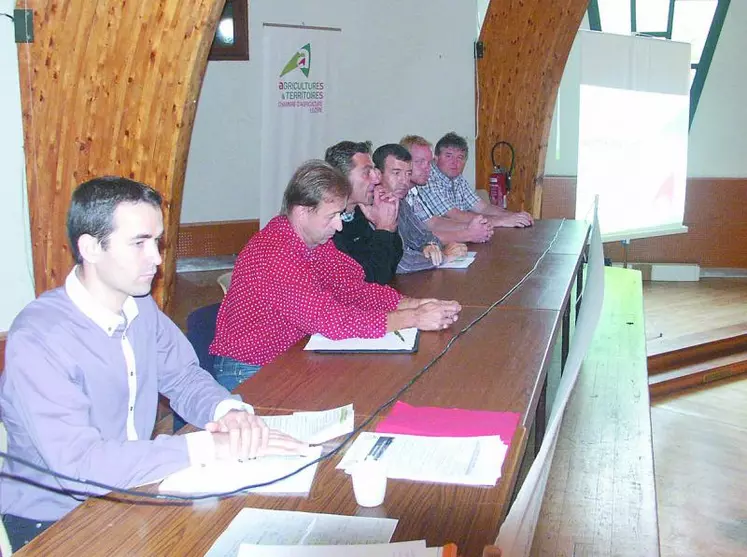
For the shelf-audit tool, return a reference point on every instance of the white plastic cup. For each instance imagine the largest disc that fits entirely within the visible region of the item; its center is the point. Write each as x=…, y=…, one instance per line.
x=369, y=483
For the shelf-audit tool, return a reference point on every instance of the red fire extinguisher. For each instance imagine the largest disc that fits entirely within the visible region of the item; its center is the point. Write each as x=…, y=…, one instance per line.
x=500, y=178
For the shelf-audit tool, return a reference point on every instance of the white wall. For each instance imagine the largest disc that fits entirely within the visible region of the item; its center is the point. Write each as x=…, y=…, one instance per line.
x=406, y=67
x=718, y=136
x=717, y=141
x=16, y=278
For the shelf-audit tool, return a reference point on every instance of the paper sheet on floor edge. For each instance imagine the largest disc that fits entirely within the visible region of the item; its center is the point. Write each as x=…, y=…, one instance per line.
x=516, y=535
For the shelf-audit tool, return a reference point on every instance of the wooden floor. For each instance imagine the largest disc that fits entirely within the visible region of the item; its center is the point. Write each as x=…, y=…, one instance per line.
x=700, y=437
x=700, y=455
x=684, y=311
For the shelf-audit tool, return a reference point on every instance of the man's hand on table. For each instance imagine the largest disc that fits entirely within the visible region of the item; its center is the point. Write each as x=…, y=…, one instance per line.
x=241, y=435
x=454, y=251
x=435, y=315
x=521, y=219
x=479, y=229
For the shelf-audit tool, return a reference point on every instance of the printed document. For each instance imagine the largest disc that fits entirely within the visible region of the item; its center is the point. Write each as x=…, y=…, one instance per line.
x=315, y=427
x=460, y=262
x=222, y=476
x=267, y=527
x=451, y=460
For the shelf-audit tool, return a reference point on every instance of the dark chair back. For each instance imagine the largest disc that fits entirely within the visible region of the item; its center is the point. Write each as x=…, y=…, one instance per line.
x=200, y=332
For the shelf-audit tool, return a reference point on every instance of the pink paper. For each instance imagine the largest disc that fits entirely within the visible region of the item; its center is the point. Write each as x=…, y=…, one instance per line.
x=430, y=421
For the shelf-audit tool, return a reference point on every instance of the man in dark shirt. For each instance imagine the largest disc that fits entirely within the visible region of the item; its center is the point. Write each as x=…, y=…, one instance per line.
x=369, y=229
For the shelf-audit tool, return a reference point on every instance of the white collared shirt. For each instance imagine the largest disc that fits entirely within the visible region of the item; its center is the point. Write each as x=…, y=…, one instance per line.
x=199, y=444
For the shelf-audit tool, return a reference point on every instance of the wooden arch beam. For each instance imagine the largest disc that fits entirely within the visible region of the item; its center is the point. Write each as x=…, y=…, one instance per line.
x=527, y=43
x=109, y=87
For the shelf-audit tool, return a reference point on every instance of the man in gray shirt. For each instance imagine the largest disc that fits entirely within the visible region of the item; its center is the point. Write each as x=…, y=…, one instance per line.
x=85, y=364
x=422, y=249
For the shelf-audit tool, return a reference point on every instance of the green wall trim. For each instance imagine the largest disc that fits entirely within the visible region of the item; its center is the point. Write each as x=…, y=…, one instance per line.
x=595, y=23
x=706, y=57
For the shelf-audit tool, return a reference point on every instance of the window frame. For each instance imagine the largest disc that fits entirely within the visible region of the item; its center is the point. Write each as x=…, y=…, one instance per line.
x=702, y=66
x=239, y=50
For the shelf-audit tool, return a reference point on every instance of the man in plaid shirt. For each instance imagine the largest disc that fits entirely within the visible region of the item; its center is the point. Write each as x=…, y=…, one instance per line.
x=448, y=204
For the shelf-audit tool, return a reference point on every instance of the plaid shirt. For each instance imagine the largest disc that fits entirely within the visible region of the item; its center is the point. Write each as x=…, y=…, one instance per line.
x=442, y=194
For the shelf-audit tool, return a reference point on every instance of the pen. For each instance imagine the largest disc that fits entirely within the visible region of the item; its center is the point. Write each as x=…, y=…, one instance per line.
x=399, y=335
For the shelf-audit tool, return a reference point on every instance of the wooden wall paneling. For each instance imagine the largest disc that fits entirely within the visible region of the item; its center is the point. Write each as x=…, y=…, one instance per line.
x=109, y=87
x=716, y=245
x=558, y=197
x=527, y=43
x=714, y=214
x=208, y=239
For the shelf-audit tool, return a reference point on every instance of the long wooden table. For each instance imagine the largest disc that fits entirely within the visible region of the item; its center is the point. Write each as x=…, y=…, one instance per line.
x=500, y=364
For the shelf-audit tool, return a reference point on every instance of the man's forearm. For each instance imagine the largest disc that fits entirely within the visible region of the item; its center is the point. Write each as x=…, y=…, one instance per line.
x=460, y=216
x=448, y=230
x=488, y=209
x=400, y=319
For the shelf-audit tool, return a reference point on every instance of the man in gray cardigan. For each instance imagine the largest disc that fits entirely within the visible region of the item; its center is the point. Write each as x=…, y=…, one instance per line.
x=85, y=364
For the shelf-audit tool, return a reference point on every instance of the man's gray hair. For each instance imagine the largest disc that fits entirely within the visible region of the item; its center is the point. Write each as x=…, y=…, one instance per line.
x=313, y=182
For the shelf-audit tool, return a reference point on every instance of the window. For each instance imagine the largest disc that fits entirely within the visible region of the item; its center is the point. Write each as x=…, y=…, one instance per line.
x=697, y=22
x=692, y=21
x=652, y=17
x=231, y=40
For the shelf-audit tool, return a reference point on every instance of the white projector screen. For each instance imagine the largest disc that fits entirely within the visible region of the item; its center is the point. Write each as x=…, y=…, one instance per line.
x=633, y=153
x=622, y=132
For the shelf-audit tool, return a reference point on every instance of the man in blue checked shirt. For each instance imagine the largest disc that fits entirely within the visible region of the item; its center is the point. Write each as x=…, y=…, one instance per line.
x=449, y=205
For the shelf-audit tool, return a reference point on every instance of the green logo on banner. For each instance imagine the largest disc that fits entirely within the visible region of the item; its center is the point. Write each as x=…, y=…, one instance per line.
x=300, y=60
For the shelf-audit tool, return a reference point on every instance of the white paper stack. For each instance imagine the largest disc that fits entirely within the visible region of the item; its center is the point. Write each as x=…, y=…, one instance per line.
x=397, y=549
x=222, y=476
x=262, y=527
x=452, y=460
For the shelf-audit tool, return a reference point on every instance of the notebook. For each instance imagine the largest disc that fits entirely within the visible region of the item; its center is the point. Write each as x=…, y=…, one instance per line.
x=399, y=342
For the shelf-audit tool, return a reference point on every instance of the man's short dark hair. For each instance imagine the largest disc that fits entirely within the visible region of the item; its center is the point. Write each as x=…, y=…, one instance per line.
x=452, y=139
x=313, y=182
x=390, y=149
x=94, y=202
x=341, y=155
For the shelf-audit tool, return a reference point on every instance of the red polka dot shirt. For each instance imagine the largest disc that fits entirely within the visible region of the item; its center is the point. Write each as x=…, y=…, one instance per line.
x=281, y=291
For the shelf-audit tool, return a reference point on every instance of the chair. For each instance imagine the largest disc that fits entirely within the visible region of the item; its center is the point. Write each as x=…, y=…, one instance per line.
x=5, y=549
x=200, y=332
x=225, y=281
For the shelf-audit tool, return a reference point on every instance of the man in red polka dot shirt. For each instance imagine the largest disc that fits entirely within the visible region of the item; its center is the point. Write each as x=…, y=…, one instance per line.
x=290, y=281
